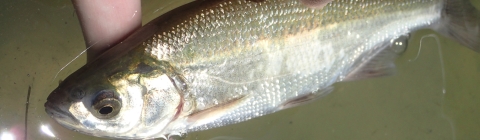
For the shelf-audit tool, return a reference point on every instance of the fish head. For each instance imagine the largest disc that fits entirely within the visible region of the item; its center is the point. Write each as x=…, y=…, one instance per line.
x=121, y=100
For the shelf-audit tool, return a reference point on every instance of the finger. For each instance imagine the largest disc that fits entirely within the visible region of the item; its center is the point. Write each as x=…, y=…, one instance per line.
x=107, y=22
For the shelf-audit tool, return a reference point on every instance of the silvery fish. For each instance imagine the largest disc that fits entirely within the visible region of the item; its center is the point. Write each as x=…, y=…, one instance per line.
x=212, y=63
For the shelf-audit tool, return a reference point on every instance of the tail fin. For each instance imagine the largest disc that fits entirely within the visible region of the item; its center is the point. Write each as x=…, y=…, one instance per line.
x=461, y=21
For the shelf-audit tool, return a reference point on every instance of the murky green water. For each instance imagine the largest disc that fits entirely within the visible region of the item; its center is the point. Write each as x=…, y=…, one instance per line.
x=37, y=38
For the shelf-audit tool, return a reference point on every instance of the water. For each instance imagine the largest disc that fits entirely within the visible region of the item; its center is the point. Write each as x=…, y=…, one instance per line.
x=37, y=38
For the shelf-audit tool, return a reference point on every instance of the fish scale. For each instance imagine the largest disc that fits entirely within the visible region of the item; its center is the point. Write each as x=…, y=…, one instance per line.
x=251, y=37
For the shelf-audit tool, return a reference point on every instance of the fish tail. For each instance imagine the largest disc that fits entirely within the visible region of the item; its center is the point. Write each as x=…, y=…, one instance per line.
x=461, y=22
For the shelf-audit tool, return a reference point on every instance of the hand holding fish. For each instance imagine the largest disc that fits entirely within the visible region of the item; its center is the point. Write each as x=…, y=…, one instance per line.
x=105, y=23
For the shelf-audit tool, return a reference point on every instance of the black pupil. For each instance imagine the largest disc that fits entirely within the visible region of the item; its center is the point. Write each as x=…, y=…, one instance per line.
x=106, y=110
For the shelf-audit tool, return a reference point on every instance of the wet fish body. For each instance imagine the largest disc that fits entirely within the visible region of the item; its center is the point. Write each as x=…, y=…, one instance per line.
x=212, y=63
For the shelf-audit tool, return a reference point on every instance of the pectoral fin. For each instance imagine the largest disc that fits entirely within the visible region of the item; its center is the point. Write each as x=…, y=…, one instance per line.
x=213, y=113
x=305, y=99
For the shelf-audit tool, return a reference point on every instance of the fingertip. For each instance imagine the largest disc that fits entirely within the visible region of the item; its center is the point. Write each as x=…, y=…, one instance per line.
x=105, y=23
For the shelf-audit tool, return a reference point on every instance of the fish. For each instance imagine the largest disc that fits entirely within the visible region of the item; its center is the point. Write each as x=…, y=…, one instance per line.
x=212, y=63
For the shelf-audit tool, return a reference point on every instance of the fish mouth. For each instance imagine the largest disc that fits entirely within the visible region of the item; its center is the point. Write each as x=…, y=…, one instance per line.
x=62, y=117
x=53, y=111
x=55, y=106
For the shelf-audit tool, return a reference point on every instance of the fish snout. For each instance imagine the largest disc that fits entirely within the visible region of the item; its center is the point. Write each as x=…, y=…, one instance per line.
x=55, y=96
x=55, y=102
x=57, y=107
x=51, y=110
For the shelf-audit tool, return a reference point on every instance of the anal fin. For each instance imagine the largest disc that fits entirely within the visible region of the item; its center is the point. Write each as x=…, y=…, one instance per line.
x=378, y=62
x=305, y=99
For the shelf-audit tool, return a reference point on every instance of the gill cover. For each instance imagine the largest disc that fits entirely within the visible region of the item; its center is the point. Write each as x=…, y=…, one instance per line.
x=162, y=95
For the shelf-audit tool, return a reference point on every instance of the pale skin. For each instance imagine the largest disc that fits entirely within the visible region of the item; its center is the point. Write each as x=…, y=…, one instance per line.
x=106, y=23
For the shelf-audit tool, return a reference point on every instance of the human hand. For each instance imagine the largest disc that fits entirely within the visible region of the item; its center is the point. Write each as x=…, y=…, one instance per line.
x=106, y=23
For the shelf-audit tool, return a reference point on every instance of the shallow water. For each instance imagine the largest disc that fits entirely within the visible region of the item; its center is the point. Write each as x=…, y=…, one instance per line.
x=37, y=38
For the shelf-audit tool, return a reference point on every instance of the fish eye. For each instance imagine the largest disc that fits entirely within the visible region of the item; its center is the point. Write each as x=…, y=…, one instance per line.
x=107, y=109
x=106, y=104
